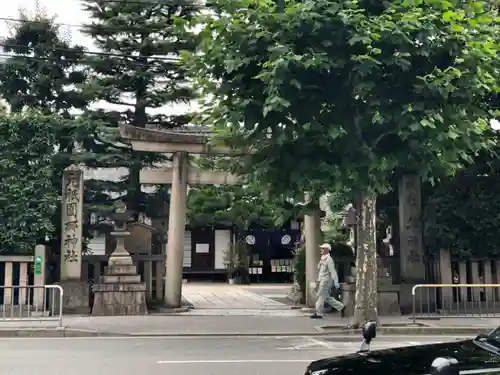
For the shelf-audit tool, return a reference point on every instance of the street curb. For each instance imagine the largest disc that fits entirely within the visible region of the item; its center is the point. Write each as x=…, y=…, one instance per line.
x=385, y=338
x=336, y=335
x=172, y=311
x=47, y=332
x=400, y=331
x=69, y=332
x=225, y=334
x=55, y=333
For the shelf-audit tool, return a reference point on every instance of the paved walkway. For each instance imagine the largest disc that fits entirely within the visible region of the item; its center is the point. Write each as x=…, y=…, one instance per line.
x=178, y=325
x=195, y=325
x=247, y=325
x=225, y=299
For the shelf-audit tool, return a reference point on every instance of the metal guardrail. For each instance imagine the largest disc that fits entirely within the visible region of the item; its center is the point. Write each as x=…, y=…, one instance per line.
x=463, y=300
x=32, y=303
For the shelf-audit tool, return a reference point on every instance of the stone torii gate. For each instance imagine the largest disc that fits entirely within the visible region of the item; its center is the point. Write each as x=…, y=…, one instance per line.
x=180, y=142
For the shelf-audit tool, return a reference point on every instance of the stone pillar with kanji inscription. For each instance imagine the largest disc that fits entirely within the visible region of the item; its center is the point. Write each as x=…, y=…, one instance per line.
x=411, y=251
x=76, y=291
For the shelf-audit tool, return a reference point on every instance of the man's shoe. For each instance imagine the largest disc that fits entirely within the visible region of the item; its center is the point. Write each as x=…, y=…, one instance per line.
x=316, y=316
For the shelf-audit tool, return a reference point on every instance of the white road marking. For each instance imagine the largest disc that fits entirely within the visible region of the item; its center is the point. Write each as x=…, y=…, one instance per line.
x=324, y=344
x=308, y=342
x=301, y=346
x=413, y=343
x=416, y=343
x=311, y=343
x=175, y=362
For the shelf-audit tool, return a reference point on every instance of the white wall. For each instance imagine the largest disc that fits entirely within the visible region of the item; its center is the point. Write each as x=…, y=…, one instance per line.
x=97, y=245
x=187, y=249
x=222, y=244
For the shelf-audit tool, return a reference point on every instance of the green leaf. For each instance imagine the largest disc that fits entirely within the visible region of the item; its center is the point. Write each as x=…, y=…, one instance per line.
x=359, y=39
x=427, y=124
x=28, y=200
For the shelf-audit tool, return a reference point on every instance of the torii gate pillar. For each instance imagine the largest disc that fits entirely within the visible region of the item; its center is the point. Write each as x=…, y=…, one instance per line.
x=176, y=230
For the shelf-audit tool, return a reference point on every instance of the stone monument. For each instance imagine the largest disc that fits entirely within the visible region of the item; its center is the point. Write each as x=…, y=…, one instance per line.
x=76, y=291
x=120, y=291
x=411, y=251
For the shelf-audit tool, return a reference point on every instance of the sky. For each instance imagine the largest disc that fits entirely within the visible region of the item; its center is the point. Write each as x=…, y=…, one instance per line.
x=70, y=14
x=66, y=11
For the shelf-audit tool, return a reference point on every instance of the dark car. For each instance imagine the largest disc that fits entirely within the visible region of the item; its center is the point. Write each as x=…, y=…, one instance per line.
x=469, y=357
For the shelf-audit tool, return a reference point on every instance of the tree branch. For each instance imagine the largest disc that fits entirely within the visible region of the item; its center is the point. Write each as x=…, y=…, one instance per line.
x=380, y=137
x=357, y=126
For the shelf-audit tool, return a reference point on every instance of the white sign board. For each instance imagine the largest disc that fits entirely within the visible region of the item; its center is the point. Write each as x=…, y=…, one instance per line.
x=202, y=248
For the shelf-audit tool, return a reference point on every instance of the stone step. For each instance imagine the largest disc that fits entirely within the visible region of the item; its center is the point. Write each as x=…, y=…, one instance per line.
x=123, y=279
x=115, y=287
x=121, y=270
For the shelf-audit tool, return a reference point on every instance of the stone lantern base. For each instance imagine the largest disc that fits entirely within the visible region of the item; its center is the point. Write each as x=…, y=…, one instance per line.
x=120, y=291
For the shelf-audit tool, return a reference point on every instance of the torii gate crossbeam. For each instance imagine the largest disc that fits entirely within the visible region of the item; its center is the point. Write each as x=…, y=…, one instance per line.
x=180, y=142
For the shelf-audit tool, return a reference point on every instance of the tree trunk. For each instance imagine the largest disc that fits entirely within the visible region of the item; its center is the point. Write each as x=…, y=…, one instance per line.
x=366, y=298
x=134, y=193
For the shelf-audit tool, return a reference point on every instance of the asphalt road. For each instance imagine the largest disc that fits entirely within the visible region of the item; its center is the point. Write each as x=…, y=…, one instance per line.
x=186, y=356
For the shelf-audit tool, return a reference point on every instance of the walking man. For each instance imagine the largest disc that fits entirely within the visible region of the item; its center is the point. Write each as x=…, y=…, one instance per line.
x=327, y=277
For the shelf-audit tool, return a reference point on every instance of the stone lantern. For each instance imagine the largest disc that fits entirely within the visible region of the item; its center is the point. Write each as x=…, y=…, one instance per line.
x=351, y=223
x=120, y=216
x=120, y=291
x=388, y=294
x=350, y=216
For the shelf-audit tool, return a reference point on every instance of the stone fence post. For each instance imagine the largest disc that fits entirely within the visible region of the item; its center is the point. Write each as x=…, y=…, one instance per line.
x=39, y=262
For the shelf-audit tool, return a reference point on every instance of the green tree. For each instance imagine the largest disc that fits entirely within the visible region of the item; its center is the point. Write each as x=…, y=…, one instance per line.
x=240, y=205
x=135, y=79
x=461, y=212
x=28, y=200
x=43, y=73
x=338, y=95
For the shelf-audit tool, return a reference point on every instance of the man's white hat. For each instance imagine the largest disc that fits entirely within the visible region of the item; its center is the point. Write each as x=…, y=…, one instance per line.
x=326, y=246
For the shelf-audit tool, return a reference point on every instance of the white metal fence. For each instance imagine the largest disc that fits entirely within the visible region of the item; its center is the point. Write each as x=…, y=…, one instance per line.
x=433, y=301
x=32, y=303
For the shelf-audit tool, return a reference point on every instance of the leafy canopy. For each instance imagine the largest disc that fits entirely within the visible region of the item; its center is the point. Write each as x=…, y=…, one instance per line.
x=27, y=198
x=338, y=94
x=461, y=213
x=242, y=206
x=43, y=72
